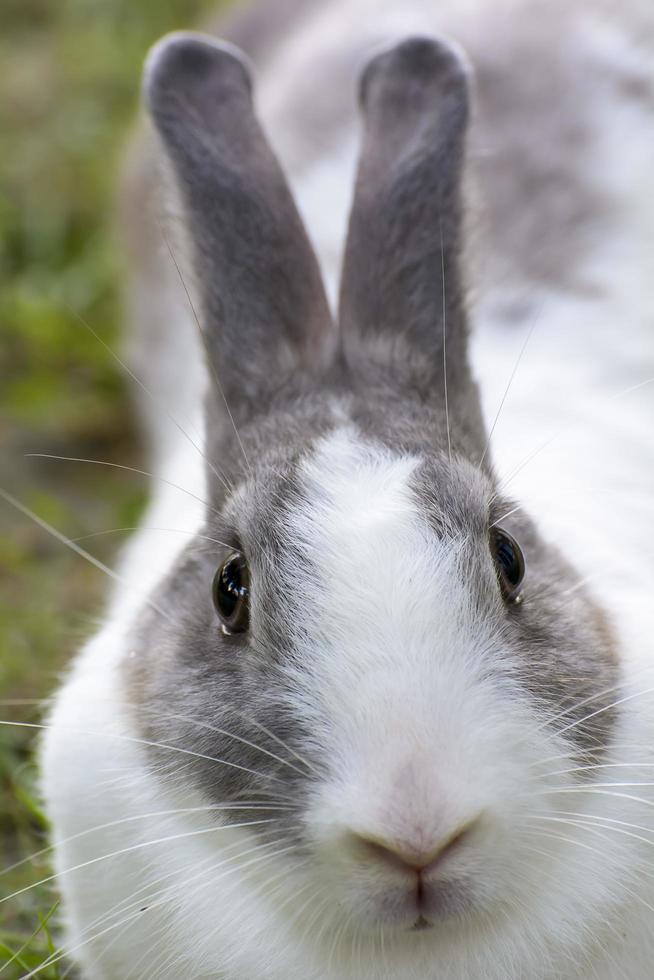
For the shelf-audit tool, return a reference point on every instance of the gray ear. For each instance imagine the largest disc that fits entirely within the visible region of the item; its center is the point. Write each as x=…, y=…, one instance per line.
x=401, y=292
x=263, y=307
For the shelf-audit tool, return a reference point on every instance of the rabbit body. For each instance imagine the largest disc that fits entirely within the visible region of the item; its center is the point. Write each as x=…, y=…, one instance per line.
x=558, y=257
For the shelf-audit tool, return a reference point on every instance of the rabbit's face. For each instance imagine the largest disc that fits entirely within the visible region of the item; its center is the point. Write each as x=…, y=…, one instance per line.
x=385, y=674
x=350, y=670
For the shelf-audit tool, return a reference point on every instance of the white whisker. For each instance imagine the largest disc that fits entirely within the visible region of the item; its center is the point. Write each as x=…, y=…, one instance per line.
x=599, y=765
x=568, y=429
x=128, y=469
x=75, y=547
x=130, y=849
x=143, y=816
x=598, y=829
x=145, y=527
x=150, y=395
x=67, y=952
x=208, y=358
x=447, y=406
x=277, y=739
x=506, y=392
x=239, y=738
x=131, y=902
x=607, y=707
x=143, y=741
x=595, y=790
x=602, y=819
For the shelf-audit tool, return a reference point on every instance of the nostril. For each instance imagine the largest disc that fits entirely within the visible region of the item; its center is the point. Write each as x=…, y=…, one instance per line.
x=407, y=855
x=386, y=853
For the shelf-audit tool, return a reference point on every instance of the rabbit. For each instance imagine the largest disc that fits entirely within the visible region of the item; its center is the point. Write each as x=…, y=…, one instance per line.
x=373, y=695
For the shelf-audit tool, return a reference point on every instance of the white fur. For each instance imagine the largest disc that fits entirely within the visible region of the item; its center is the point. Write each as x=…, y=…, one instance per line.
x=397, y=700
x=579, y=911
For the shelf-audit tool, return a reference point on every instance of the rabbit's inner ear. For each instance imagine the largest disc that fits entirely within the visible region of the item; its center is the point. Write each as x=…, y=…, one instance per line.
x=402, y=297
x=262, y=303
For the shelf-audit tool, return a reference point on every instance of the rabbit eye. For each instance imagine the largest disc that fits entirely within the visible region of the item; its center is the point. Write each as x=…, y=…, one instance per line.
x=509, y=562
x=231, y=594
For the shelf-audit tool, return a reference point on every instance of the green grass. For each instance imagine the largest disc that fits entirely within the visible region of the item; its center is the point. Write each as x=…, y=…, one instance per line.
x=69, y=71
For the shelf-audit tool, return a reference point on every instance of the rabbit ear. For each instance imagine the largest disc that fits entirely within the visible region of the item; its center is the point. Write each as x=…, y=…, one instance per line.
x=401, y=293
x=261, y=296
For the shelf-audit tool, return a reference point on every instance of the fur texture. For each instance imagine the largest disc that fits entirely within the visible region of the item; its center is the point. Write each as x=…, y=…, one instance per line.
x=219, y=801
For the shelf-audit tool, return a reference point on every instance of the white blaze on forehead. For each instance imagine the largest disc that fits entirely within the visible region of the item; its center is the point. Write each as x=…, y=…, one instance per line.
x=359, y=488
x=387, y=604
x=362, y=521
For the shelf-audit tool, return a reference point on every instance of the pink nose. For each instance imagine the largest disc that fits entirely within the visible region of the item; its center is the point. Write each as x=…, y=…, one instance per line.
x=405, y=856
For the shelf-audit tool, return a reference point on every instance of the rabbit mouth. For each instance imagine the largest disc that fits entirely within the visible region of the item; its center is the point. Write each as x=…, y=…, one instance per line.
x=442, y=900
x=420, y=908
x=439, y=900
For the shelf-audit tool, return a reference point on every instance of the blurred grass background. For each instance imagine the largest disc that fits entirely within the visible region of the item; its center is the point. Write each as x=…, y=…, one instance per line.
x=69, y=80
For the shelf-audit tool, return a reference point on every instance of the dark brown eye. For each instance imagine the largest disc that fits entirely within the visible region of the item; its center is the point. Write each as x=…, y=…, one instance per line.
x=231, y=594
x=509, y=562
